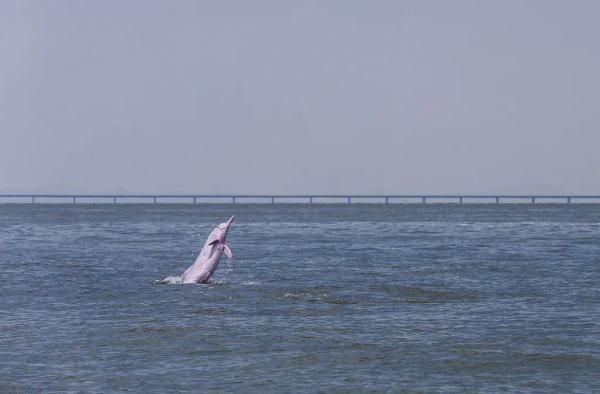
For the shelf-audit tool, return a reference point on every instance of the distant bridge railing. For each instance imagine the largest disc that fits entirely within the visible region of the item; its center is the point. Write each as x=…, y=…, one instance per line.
x=303, y=198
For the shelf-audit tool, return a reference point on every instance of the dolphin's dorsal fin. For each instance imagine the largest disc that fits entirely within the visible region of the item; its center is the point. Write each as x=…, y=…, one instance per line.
x=227, y=251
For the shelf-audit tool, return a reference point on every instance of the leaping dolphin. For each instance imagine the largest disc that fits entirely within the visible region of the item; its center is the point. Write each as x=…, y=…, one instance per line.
x=207, y=261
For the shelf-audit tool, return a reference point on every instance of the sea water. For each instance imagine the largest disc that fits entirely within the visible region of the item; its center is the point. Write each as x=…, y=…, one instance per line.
x=440, y=297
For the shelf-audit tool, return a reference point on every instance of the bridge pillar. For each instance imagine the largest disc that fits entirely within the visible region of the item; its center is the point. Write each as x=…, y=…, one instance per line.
x=272, y=200
x=74, y=200
x=497, y=200
x=533, y=200
x=387, y=200
x=349, y=200
x=568, y=200
x=424, y=199
x=310, y=200
x=33, y=199
x=154, y=199
x=114, y=199
x=460, y=200
x=194, y=200
x=233, y=200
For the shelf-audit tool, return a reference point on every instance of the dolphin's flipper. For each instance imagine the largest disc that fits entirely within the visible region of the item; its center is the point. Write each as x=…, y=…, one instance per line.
x=227, y=251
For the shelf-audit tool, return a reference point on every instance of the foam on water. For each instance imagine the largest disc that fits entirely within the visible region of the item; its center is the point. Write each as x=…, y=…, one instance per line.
x=170, y=280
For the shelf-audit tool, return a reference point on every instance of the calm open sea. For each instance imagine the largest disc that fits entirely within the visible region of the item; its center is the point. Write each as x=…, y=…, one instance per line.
x=478, y=297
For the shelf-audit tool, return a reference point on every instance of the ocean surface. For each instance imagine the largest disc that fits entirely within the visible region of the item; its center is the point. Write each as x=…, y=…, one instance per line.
x=359, y=298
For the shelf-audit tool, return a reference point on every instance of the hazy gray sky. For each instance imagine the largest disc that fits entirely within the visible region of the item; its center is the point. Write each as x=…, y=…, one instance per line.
x=300, y=96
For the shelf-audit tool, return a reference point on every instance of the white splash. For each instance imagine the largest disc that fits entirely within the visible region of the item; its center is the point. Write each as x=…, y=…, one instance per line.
x=169, y=280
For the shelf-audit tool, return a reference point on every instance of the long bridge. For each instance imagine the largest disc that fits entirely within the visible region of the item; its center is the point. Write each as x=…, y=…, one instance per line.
x=297, y=198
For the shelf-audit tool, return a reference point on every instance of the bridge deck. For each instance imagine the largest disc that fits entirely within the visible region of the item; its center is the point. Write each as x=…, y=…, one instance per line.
x=302, y=198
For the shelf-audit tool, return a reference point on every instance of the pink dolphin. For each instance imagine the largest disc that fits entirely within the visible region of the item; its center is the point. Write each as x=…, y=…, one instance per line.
x=207, y=261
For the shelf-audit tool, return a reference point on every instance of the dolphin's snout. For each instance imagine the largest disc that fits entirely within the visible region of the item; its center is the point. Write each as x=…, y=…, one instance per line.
x=227, y=224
